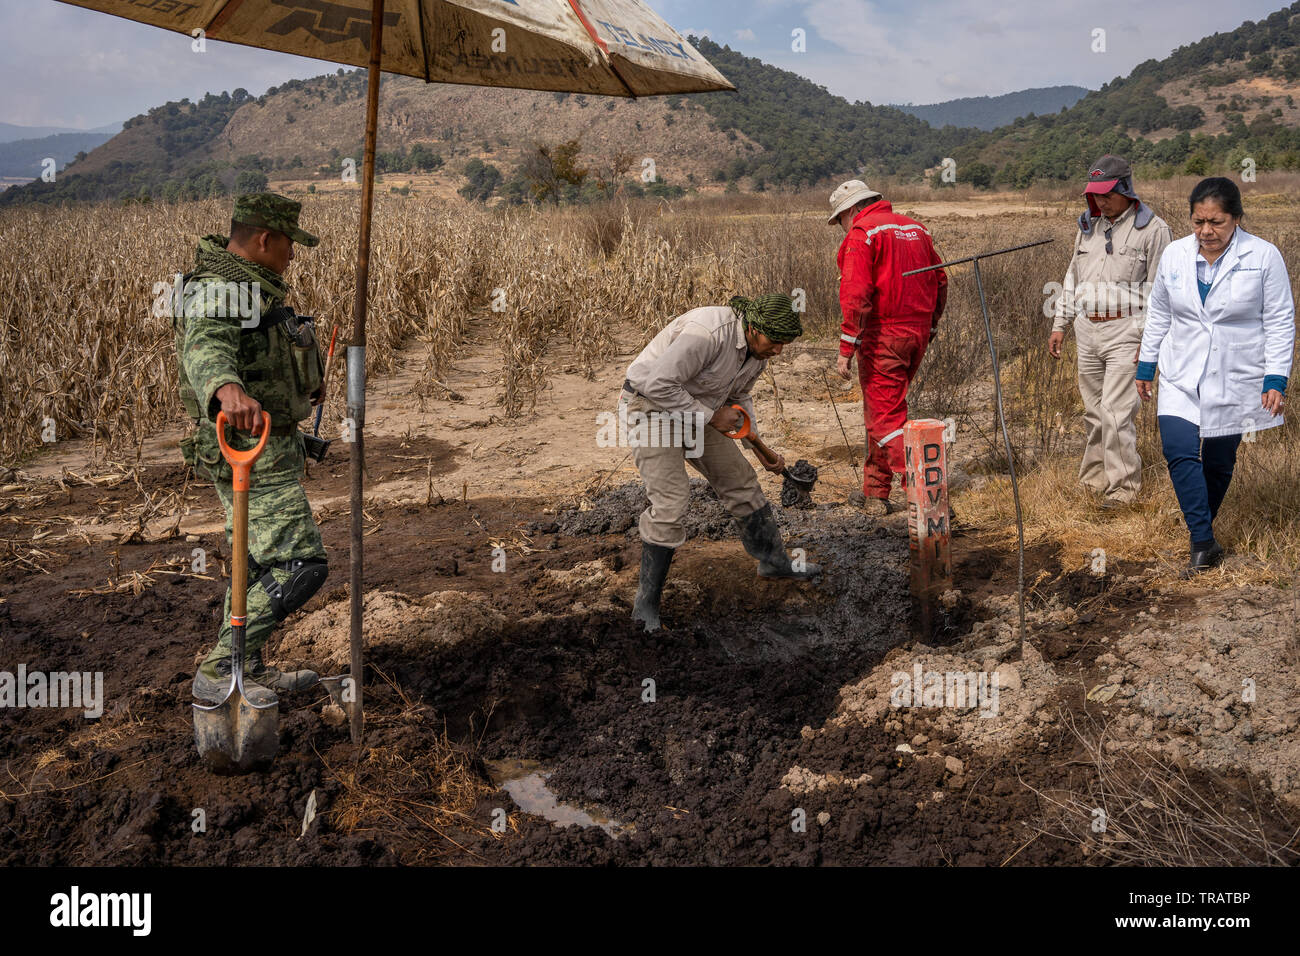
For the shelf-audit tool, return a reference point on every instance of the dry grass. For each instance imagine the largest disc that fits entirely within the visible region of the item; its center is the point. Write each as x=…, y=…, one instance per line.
x=84, y=348
x=81, y=346
x=1140, y=809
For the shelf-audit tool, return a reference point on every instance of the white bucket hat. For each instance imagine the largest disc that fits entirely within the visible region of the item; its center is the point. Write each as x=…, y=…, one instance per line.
x=847, y=196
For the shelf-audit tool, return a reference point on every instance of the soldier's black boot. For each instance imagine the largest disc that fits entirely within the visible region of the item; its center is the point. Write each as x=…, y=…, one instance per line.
x=212, y=683
x=276, y=679
x=762, y=539
x=655, y=559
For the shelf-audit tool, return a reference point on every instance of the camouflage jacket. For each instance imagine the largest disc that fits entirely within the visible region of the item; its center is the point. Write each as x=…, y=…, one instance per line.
x=223, y=336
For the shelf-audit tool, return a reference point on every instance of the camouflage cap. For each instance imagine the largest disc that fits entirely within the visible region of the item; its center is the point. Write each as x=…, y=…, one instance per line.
x=272, y=211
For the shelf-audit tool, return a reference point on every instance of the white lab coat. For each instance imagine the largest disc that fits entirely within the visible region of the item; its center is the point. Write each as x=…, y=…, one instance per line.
x=1212, y=358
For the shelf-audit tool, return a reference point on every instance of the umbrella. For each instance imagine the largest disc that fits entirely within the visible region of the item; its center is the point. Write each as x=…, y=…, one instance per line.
x=610, y=47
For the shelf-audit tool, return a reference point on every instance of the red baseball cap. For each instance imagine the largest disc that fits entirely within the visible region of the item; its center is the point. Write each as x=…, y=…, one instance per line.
x=1106, y=174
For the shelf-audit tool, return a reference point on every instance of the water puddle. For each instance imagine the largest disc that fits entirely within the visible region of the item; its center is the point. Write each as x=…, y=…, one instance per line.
x=525, y=781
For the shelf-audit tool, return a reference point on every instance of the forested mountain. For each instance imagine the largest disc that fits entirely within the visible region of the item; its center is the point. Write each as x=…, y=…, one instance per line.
x=809, y=135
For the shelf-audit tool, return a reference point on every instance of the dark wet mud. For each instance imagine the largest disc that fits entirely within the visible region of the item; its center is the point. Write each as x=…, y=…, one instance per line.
x=682, y=737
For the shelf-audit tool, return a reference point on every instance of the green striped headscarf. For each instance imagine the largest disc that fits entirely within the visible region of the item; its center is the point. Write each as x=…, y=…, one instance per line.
x=772, y=315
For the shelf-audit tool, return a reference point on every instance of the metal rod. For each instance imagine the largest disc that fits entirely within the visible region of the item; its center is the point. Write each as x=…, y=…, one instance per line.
x=357, y=412
x=1006, y=438
x=847, y=447
x=980, y=255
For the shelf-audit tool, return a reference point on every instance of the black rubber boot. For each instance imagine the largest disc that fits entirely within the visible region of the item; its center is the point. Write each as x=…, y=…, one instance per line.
x=762, y=539
x=655, y=559
x=1204, y=559
x=275, y=678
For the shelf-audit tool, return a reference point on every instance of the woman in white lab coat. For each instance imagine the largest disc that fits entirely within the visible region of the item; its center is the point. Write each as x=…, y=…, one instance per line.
x=1220, y=326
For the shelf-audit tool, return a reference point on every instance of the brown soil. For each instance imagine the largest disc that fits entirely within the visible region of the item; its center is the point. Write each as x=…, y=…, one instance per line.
x=770, y=698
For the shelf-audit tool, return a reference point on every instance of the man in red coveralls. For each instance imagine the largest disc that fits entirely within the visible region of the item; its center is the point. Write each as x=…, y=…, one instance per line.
x=888, y=322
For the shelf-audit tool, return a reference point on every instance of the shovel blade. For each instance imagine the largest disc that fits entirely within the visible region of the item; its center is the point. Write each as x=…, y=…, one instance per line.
x=237, y=737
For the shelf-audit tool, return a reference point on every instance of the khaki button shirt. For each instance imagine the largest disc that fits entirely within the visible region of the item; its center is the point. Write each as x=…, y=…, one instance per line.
x=1098, y=282
x=698, y=363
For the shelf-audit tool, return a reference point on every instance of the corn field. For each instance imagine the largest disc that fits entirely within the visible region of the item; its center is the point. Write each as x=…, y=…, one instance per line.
x=85, y=353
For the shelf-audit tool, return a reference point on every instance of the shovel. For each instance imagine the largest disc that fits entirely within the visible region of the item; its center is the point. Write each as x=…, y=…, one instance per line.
x=769, y=457
x=236, y=735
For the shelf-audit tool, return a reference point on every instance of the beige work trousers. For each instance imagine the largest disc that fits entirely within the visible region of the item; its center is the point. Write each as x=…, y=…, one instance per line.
x=663, y=469
x=1111, y=465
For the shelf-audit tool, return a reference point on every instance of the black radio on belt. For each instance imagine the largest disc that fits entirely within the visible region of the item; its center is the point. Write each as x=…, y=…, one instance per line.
x=300, y=328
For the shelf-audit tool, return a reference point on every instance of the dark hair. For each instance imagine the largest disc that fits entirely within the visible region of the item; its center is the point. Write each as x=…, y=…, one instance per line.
x=1221, y=190
x=243, y=233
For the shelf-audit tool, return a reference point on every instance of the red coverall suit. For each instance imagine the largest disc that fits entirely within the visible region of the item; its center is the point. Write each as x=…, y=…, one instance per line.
x=888, y=321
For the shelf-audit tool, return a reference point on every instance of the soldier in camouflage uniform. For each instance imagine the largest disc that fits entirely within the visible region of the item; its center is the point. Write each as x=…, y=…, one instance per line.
x=241, y=350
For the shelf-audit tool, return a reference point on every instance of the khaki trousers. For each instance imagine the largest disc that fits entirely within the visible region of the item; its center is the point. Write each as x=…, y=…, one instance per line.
x=1111, y=465
x=663, y=469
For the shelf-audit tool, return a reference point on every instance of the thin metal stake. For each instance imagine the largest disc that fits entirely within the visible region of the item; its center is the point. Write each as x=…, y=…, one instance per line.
x=1011, y=460
x=1002, y=418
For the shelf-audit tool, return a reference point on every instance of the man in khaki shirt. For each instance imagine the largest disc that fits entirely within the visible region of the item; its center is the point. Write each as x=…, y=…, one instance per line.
x=1116, y=253
x=675, y=407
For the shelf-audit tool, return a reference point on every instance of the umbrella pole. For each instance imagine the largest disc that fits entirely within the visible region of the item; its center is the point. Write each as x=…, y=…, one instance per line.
x=357, y=364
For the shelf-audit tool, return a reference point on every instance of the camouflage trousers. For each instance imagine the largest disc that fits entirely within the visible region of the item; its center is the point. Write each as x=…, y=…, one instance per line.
x=280, y=523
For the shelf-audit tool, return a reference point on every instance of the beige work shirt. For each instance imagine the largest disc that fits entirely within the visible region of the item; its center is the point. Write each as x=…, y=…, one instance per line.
x=697, y=363
x=1098, y=282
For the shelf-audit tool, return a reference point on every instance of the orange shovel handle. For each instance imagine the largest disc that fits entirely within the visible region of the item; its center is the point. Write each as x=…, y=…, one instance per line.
x=744, y=429
x=241, y=462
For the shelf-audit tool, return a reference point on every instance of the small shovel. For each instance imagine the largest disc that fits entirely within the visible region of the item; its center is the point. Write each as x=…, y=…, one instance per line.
x=769, y=457
x=236, y=735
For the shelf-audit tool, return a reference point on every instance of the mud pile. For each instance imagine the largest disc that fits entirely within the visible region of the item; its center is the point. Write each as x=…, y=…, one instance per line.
x=616, y=512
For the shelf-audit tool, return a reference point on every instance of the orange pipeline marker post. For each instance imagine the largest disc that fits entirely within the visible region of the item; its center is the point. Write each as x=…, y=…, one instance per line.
x=927, y=514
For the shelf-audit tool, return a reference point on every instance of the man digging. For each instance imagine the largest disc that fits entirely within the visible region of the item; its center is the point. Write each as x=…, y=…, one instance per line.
x=240, y=363
x=684, y=384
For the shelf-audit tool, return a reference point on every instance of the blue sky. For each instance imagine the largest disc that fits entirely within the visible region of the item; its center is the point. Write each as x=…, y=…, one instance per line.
x=62, y=66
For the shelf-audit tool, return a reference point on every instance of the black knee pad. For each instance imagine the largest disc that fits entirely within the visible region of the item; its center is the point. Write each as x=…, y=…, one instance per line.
x=306, y=575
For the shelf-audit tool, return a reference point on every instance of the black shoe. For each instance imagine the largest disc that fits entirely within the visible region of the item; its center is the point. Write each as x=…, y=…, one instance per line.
x=762, y=539
x=655, y=559
x=212, y=684
x=1211, y=557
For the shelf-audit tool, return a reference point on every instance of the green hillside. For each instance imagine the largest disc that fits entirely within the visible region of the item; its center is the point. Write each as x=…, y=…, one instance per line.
x=1238, y=88
x=810, y=135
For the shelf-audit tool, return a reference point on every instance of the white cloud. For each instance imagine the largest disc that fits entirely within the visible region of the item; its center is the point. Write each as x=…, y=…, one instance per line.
x=747, y=35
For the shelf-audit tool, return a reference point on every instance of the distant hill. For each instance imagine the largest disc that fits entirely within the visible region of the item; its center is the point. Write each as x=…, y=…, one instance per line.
x=10, y=132
x=24, y=158
x=809, y=135
x=990, y=112
x=780, y=130
x=1206, y=107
